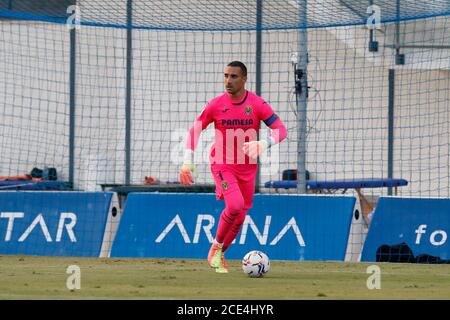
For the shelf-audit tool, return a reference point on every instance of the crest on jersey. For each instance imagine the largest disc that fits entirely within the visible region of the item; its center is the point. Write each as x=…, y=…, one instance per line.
x=248, y=110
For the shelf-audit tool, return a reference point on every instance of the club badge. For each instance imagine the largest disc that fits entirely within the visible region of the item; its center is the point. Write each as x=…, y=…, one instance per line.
x=224, y=185
x=248, y=110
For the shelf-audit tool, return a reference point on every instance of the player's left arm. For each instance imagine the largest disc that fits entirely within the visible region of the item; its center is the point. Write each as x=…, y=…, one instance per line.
x=278, y=132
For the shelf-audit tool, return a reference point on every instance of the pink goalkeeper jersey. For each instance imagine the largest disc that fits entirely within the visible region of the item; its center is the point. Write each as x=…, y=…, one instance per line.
x=235, y=122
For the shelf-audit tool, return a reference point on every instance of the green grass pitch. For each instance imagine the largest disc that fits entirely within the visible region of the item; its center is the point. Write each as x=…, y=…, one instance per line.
x=30, y=277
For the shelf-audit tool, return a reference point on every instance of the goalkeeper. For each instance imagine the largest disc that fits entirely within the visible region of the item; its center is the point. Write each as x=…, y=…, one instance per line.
x=236, y=115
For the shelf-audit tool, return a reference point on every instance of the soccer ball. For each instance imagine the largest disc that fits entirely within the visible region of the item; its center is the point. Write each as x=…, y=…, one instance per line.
x=255, y=263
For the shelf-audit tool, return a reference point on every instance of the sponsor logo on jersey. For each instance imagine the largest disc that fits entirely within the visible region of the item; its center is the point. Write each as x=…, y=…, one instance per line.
x=237, y=122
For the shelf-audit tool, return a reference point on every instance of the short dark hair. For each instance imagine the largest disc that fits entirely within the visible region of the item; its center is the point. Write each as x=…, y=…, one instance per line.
x=240, y=65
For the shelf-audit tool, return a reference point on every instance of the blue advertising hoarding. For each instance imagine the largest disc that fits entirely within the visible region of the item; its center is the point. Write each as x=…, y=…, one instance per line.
x=53, y=223
x=286, y=227
x=420, y=224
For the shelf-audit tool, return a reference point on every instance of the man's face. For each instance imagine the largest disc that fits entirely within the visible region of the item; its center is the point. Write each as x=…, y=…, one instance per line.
x=233, y=80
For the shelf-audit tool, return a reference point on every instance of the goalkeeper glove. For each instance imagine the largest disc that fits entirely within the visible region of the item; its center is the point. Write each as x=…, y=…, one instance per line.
x=254, y=148
x=186, y=174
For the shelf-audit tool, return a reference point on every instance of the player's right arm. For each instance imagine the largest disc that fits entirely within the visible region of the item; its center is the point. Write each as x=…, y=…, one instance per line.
x=203, y=120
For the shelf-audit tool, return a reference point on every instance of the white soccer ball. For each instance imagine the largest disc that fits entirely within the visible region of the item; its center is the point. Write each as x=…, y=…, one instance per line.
x=255, y=263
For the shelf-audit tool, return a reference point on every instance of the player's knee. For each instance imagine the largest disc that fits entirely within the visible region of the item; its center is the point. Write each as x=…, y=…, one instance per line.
x=236, y=206
x=239, y=220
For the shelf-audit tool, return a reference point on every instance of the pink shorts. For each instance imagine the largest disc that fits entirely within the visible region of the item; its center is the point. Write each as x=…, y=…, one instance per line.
x=235, y=178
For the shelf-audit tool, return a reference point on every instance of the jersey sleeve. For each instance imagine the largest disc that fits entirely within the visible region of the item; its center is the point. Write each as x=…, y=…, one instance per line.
x=270, y=118
x=202, y=122
x=267, y=114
